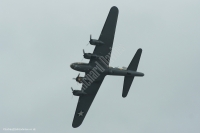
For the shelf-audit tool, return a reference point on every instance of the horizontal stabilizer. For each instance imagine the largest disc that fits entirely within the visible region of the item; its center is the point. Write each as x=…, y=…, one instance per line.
x=135, y=61
x=127, y=84
x=133, y=67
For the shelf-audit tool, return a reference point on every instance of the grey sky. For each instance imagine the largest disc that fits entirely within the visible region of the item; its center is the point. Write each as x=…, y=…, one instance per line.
x=40, y=39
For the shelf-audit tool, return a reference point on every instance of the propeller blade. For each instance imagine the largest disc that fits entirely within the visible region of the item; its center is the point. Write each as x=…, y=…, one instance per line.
x=90, y=39
x=78, y=75
x=72, y=89
x=83, y=51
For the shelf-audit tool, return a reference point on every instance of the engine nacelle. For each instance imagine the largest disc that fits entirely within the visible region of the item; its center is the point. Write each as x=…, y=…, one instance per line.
x=79, y=79
x=96, y=42
x=78, y=93
x=90, y=56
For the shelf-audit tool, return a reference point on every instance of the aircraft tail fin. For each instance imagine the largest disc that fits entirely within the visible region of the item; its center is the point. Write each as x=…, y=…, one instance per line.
x=132, y=66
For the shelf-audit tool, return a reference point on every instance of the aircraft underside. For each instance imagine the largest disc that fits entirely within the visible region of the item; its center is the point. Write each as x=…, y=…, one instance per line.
x=98, y=67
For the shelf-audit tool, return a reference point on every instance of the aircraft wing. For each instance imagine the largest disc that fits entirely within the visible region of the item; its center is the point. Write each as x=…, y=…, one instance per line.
x=107, y=37
x=104, y=50
x=85, y=101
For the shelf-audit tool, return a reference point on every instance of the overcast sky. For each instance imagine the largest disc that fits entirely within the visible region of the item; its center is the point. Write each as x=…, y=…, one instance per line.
x=40, y=39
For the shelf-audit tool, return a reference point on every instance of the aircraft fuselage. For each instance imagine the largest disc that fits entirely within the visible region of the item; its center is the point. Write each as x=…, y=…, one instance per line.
x=84, y=67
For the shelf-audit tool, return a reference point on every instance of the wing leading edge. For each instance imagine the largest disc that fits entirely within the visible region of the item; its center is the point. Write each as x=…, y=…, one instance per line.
x=107, y=37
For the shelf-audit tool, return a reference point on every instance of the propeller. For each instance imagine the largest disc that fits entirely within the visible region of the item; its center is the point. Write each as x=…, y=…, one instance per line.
x=77, y=78
x=78, y=75
x=72, y=89
x=72, y=92
x=90, y=39
x=84, y=54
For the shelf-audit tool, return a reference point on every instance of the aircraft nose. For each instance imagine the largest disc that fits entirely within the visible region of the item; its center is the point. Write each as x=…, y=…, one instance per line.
x=71, y=65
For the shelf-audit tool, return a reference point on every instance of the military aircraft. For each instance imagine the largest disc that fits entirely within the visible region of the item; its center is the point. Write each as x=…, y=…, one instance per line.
x=98, y=68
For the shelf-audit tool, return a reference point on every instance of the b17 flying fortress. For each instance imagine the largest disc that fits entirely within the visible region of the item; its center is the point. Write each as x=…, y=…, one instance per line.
x=98, y=68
